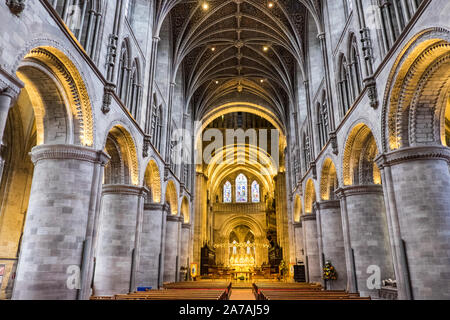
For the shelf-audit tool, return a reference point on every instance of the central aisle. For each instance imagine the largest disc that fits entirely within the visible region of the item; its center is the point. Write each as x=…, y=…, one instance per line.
x=242, y=294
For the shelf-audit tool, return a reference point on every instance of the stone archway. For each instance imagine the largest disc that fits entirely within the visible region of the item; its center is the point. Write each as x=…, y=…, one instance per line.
x=415, y=162
x=329, y=182
x=52, y=120
x=122, y=202
x=153, y=181
x=310, y=197
x=363, y=211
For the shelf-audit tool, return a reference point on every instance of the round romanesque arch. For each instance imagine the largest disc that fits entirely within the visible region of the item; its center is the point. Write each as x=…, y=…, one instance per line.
x=359, y=167
x=153, y=181
x=185, y=210
x=416, y=108
x=172, y=197
x=329, y=182
x=310, y=196
x=297, y=208
x=123, y=167
x=52, y=79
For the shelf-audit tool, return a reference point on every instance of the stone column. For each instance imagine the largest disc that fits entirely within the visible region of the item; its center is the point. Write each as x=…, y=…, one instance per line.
x=418, y=181
x=171, y=257
x=366, y=237
x=299, y=248
x=200, y=216
x=117, y=239
x=6, y=97
x=55, y=230
x=331, y=241
x=150, y=251
x=312, y=248
x=184, y=248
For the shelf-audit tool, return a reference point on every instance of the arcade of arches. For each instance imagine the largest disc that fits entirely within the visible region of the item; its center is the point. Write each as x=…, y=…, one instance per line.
x=140, y=139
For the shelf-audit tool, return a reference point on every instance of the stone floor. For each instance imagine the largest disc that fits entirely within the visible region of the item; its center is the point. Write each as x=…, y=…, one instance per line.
x=242, y=294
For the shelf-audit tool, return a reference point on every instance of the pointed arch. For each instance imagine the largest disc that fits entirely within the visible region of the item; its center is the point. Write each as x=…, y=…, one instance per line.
x=256, y=192
x=241, y=188
x=227, y=193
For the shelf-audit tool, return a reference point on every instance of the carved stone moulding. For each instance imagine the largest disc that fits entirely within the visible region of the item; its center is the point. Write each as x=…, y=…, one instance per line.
x=16, y=6
x=153, y=207
x=109, y=90
x=359, y=190
x=372, y=92
x=308, y=217
x=413, y=154
x=174, y=218
x=298, y=225
x=330, y=204
x=69, y=152
x=125, y=189
x=147, y=143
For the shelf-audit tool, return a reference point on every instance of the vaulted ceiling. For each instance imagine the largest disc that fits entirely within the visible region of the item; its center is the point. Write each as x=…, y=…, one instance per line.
x=239, y=50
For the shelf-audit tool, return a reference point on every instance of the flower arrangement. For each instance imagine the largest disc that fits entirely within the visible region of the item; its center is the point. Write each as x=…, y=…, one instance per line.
x=329, y=272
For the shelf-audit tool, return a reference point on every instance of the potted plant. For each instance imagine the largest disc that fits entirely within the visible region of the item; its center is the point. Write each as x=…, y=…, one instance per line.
x=283, y=270
x=329, y=273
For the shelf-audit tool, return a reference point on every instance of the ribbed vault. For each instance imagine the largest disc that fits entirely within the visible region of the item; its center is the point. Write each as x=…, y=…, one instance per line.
x=238, y=47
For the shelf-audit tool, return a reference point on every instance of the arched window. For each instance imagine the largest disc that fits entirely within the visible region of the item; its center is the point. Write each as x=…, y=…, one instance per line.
x=344, y=86
x=255, y=192
x=241, y=189
x=134, y=97
x=83, y=18
x=355, y=70
x=227, y=198
x=123, y=73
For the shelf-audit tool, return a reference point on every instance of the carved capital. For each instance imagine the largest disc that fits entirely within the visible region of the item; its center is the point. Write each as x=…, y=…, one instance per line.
x=124, y=189
x=107, y=97
x=324, y=205
x=372, y=92
x=413, y=154
x=174, y=218
x=187, y=226
x=334, y=143
x=16, y=6
x=155, y=207
x=69, y=152
x=308, y=217
x=359, y=190
x=313, y=167
x=147, y=143
x=298, y=225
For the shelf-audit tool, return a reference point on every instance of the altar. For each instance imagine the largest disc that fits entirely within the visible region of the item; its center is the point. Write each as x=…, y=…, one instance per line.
x=237, y=275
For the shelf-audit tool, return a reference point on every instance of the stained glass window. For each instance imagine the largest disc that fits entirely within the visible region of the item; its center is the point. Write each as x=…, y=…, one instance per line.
x=227, y=192
x=255, y=192
x=241, y=188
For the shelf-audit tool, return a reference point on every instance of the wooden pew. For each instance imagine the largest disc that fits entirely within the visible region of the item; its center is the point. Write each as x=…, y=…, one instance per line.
x=196, y=290
x=283, y=291
x=177, y=294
